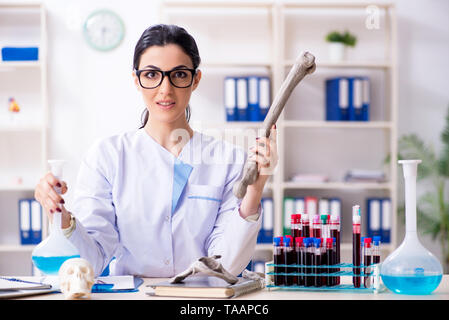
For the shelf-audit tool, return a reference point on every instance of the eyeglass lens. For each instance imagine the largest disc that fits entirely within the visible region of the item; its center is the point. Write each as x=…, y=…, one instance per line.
x=153, y=78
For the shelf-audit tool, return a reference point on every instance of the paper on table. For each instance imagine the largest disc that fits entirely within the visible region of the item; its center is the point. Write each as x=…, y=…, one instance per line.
x=119, y=282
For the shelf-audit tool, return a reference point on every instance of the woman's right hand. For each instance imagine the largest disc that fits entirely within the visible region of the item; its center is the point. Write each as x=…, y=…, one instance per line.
x=50, y=200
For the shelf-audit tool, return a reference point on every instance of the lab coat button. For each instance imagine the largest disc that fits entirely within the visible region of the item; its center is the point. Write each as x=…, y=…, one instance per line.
x=167, y=261
x=167, y=218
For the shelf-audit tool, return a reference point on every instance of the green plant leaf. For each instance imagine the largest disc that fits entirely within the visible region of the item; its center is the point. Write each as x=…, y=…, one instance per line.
x=412, y=147
x=443, y=164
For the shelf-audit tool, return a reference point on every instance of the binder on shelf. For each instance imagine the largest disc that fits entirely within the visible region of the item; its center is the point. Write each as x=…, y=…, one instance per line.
x=242, y=99
x=347, y=99
x=25, y=221
x=335, y=206
x=323, y=206
x=264, y=97
x=373, y=217
x=355, y=99
x=379, y=218
x=289, y=209
x=366, y=99
x=253, y=98
x=386, y=220
x=36, y=222
x=311, y=206
x=266, y=232
x=300, y=206
x=337, y=99
x=230, y=98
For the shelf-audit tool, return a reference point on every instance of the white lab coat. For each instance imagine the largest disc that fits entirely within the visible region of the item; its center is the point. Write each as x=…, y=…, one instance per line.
x=155, y=213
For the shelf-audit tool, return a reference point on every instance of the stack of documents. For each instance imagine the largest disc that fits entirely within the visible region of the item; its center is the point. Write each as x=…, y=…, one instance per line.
x=356, y=175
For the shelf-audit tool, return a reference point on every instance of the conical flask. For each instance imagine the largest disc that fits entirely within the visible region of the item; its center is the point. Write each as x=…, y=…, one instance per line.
x=411, y=268
x=50, y=254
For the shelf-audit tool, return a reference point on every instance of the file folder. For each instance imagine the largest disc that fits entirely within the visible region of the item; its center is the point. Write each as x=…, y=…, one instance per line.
x=230, y=98
x=311, y=206
x=242, y=99
x=267, y=221
x=323, y=206
x=289, y=209
x=300, y=206
x=253, y=98
x=335, y=206
x=355, y=109
x=36, y=222
x=366, y=99
x=374, y=217
x=337, y=99
x=25, y=221
x=264, y=97
x=386, y=220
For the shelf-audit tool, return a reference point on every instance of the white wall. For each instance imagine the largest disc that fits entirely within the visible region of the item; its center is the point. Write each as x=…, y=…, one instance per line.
x=91, y=94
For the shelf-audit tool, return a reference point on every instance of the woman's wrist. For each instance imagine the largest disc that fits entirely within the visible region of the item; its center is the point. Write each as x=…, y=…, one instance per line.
x=251, y=201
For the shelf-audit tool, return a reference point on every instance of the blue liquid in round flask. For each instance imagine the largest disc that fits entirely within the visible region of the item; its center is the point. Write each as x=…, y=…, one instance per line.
x=50, y=254
x=411, y=268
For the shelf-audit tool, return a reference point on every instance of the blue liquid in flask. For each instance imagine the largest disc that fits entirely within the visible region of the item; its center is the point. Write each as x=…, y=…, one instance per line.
x=412, y=284
x=51, y=265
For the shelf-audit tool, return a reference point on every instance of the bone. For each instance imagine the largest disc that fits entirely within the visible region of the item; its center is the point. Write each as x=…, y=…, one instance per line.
x=209, y=266
x=304, y=65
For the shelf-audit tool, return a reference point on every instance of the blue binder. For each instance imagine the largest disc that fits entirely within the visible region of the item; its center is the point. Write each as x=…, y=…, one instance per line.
x=373, y=225
x=230, y=98
x=36, y=222
x=266, y=232
x=264, y=97
x=25, y=221
x=386, y=220
x=253, y=98
x=366, y=99
x=358, y=109
x=337, y=99
x=20, y=53
x=242, y=99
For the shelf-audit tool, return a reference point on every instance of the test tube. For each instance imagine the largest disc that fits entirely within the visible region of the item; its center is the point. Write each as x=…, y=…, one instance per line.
x=316, y=227
x=367, y=253
x=317, y=262
x=308, y=279
x=289, y=259
x=376, y=249
x=295, y=231
x=328, y=260
x=325, y=226
x=356, y=220
x=278, y=258
x=305, y=225
x=335, y=233
x=299, y=248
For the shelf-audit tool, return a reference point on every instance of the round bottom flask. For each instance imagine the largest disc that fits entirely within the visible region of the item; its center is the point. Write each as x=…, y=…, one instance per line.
x=411, y=268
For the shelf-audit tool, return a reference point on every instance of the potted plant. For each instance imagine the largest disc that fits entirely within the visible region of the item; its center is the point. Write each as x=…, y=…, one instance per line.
x=432, y=207
x=338, y=42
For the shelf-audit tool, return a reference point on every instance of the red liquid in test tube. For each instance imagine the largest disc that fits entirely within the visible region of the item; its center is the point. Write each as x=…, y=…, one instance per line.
x=335, y=233
x=356, y=245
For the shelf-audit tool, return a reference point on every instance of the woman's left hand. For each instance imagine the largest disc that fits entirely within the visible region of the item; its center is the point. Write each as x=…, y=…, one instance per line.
x=266, y=155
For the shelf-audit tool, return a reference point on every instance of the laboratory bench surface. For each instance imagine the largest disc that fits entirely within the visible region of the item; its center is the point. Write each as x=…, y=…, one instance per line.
x=441, y=293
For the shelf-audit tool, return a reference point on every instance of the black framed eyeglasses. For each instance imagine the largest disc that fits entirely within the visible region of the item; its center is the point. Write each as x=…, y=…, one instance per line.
x=152, y=78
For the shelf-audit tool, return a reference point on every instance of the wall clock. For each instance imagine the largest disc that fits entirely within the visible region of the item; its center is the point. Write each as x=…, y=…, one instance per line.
x=103, y=30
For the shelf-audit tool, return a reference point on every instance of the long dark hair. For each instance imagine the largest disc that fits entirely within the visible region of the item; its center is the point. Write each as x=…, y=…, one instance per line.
x=161, y=35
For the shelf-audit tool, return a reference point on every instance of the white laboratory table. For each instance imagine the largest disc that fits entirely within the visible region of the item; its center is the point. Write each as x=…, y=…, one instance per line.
x=441, y=293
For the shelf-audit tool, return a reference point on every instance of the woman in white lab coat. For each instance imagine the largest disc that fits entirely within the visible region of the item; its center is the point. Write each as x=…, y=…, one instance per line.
x=151, y=201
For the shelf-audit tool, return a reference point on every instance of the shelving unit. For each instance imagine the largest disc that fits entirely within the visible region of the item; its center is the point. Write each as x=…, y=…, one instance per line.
x=23, y=143
x=286, y=29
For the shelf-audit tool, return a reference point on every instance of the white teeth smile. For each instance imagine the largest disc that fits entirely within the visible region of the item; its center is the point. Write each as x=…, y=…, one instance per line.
x=165, y=103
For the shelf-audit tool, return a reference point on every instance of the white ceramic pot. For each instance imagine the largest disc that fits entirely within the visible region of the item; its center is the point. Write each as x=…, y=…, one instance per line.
x=337, y=51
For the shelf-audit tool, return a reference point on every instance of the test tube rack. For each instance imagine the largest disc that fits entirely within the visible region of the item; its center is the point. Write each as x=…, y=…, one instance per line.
x=344, y=270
